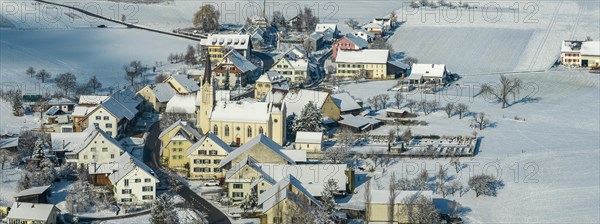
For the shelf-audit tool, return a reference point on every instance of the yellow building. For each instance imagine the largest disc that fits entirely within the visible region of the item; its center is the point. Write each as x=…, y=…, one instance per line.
x=245, y=177
x=580, y=53
x=218, y=45
x=293, y=65
x=238, y=122
x=175, y=141
x=182, y=84
x=377, y=210
x=268, y=82
x=157, y=96
x=367, y=63
x=296, y=100
x=205, y=156
x=261, y=148
x=285, y=201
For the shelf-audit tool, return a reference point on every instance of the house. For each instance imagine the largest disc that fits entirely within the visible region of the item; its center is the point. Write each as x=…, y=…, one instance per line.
x=205, y=156
x=175, y=142
x=580, y=53
x=33, y=195
x=63, y=104
x=10, y=144
x=349, y=43
x=218, y=45
x=364, y=34
x=258, y=33
x=379, y=205
x=293, y=65
x=297, y=99
x=313, y=177
x=324, y=27
x=309, y=141
x=367, y=63
x=315, y=41
x=383, y=21
x=286, y=195
x=346, y=103
x=113, y=115
x=91, y=100
x=156, y=96
x=359, y=124
x=183, y=104
x=234, y=70
x=246, y=176
x=23, y=212
x=93, y=145
x=268, y=82
x=296, y=24
x=434, y=73
x=182, y=84
x=374, y=28
x=261, y=148
x=132, y=180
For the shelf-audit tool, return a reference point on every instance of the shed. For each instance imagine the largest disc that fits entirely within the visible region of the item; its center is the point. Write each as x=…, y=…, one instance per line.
x=309, y=141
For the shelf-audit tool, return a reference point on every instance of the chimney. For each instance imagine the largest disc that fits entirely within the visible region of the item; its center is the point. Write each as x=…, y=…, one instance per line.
x=432, y=65
x=63, y=144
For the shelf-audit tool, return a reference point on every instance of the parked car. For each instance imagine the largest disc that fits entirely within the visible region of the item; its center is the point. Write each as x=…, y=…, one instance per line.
x=211, y=183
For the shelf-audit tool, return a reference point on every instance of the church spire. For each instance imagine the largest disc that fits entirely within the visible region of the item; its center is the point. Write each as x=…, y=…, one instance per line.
x=207, y=68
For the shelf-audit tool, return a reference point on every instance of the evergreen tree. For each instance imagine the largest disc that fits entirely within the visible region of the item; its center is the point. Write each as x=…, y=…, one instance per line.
x=17, y=104
x=163, y=211
x=327, y=198
x=310, y=119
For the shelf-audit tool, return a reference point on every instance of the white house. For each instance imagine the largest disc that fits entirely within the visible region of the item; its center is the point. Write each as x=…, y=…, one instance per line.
x=133, y=181
x=93, y=145
x=113, y=115
x=428, y=72
x=293, y=65
x=23, y=212
x=309, y=141
x=364, y=34
x=184, y=104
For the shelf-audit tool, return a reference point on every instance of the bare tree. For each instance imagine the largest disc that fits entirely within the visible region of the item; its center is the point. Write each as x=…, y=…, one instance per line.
x=133, y=70
x=278, y=20
x=160, y=78
x=412, y=105
x=309, y=19
x=455, y=161
x=43, y=75
x=484, y=184
x=391, y=138
x=441, y=177
x=399, y=99
x=30, y=71
x=337, y=155
x=66, y=81
x=207, y=18
x=352, y=23
x=421, y=209
x=393, y=191
x=421, y=182
x=406, y=137
x=461, y=109
x=507, y=86
x=424, y=107
x=410, y=61
x=480, y=120
x=94, y=84
x=190, y=55
x=449, y=108
x=393, y=18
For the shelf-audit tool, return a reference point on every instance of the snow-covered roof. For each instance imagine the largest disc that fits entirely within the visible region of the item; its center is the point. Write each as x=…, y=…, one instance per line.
x=221, y=95
x=9, y=142
x=184, y=126
x=32, y=191
x=295, y=100
x=188, y=84
x=253, y=164
x=359, y=42
x=322, y=27
x=241, y=111
x=92, y=99
x=309, y=137
x=60, y=101
x=296, y=155
x=268, y=199
x=260, y=139
x=368, y=56
x=372, y=26
x=316, y=36
x=270, y=77
x=81, y=111
x=590, y=48
x=163, y=92
x=314, y=177
x=429, y=70
x=571, y=46
x=399, y=64
x=125, y=164
x=182, y=103
x=358, y=121
x=239, y=61
x=363, y=31
x=118, y=110
x=383, y=196
x=74, y=142
x=345, y=102
x=214, y=139
x=30, y=211
x=236, y=41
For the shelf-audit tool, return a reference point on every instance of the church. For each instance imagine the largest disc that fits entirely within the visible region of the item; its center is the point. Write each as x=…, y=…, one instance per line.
x=238, y=122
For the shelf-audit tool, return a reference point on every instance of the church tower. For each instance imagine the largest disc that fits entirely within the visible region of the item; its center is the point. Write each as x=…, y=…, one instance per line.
x=207, y=97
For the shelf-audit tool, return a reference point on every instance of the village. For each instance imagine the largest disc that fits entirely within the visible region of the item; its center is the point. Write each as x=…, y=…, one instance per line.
x=277, y=120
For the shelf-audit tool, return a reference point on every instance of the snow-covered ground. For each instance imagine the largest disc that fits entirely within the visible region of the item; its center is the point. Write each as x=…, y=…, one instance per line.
x=13, y=124
x=8, y=184
x=548, y=163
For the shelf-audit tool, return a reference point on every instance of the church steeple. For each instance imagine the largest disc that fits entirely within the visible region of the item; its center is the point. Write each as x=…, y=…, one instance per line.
x=207, y=69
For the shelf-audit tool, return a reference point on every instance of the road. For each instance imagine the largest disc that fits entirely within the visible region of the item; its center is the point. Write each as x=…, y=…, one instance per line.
x=152, y=158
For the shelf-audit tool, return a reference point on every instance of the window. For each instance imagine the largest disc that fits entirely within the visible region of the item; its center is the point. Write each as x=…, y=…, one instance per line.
x=180, y=149
x=277, y=220
x=212, y=152
x=206, y=161
x=216, y=161
x=147, y=180
x=174, y=157
x=126, y=191
x=138, y=180
x=108, y=125
x=93, y=149
x=237, y=194
x=238, y=186
x=148, y=197
x=104, y=149
x=109, y=133
x=202, y=152
x=84, y=156
x=98, y=118
x=126, y=182
x=217, y=170
x=112, y=156
x=147, y=188
x=105, y=118
x=260, y=130
x=125, y=199
x=216, y=130
x=174, y=149
x=180, y=157
x=93, y=156
x=226, y=130
x=249, y=131
x=197, y=169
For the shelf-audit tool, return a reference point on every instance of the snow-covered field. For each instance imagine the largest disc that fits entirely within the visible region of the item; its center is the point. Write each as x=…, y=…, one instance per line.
x=549, y=162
